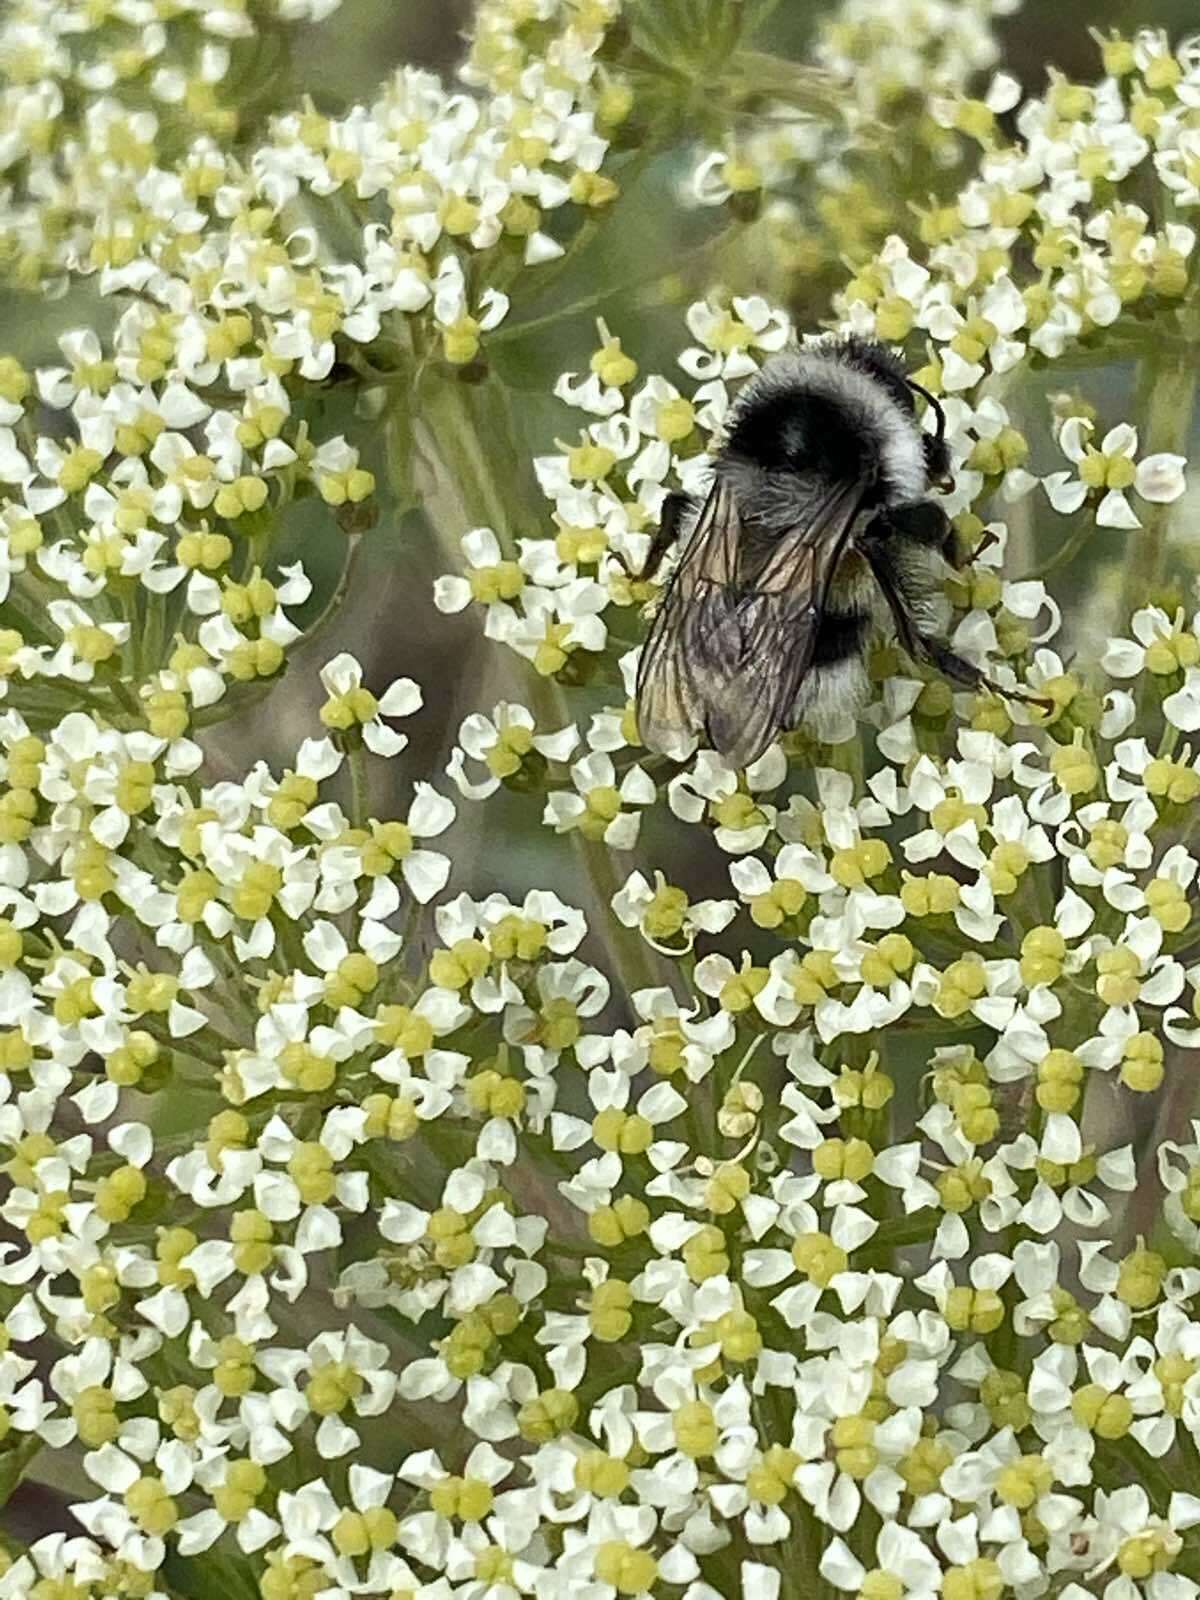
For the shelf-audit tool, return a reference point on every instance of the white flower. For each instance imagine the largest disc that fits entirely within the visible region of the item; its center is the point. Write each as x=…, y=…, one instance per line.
x=684, y=919
x=599, y=807
x=1161, y=478
x=342, y=679
x=1001, y=309
x=899, y=1551
x=1158, y=478
x=726, y=338
x=501, y=742
x=450, y=300
x=492, y=575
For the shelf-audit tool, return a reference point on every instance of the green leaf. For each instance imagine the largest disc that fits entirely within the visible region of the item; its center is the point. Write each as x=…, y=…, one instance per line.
x=216, y=1572
x=14, y=1462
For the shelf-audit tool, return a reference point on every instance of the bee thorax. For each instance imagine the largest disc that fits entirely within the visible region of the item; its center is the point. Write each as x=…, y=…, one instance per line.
x=837, y=412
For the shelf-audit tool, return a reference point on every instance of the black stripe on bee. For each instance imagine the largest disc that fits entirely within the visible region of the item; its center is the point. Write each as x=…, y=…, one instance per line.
x=776, y=434
x=840, y=635
x=923, y=523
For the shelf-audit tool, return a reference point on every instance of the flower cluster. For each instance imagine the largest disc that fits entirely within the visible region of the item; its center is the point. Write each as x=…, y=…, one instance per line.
x=1058, y=201
x=741, y=1306
x=875, y=62
x=835, y=161
x=147, y=192
x=87, y=94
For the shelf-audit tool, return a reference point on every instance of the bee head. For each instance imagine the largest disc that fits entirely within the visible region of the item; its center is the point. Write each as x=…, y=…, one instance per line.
x=937, y=461
x=936, y=450
x=887, y=368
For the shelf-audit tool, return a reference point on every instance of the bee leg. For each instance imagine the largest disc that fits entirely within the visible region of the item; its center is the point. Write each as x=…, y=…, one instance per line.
x=959, y=670
x=925, y=647
x=885, y=577
x=958, y=557
x=675, y=508
x=953, y=666
x=990, y=537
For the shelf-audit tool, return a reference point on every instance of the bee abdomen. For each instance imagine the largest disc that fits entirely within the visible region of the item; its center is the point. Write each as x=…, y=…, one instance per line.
x=840, y=636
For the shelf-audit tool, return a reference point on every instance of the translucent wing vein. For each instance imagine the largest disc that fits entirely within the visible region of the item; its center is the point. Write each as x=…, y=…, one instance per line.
x=730, y=646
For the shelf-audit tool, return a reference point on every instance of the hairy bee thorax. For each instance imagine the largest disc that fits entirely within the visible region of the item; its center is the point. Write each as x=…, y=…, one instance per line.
x=841, y=411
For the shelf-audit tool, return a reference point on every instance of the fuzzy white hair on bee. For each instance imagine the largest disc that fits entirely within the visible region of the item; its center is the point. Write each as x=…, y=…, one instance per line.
x=819, y=535
x=843, y=408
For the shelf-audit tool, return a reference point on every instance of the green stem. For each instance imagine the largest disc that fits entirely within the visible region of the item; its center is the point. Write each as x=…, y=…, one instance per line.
x=1128, y=1460
x=633, y=958
x=757, y=14
x=128, y=698
x=288, y=941
x=918, y=1228
x=1067, y=551
x=1170, y=390
x=30, y=610
x=360, y=803
x=1191, y=1459
x=455, y=478
x=333, y=605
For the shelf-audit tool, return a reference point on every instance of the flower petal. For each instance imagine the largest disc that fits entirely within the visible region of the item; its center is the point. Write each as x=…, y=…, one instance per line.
x=1161, y=478
x=1115, y=511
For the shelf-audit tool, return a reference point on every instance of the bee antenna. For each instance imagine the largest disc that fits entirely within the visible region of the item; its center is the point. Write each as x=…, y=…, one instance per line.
x=937, y=409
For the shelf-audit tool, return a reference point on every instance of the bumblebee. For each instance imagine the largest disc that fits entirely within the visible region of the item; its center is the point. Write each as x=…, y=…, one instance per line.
x=818, y=536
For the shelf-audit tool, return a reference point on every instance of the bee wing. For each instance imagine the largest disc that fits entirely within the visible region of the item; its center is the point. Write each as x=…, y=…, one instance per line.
x=727, y=660
x=771, y=631
x=670, y=693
